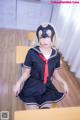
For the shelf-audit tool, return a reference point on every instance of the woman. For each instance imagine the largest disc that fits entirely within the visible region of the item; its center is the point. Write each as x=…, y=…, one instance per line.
x=35, y=87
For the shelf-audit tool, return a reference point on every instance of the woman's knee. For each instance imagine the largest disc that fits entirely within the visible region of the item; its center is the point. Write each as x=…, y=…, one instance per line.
x=30, y=107
x=46, y=106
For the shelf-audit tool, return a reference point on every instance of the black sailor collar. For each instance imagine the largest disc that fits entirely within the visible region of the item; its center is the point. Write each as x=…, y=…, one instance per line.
x=53, y=54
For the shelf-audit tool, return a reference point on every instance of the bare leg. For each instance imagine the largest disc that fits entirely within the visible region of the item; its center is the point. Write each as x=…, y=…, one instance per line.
x=46, y=106
x=31, y=107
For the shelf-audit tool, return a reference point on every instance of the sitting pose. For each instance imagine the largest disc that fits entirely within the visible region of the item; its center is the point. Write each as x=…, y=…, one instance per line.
x=35, y=87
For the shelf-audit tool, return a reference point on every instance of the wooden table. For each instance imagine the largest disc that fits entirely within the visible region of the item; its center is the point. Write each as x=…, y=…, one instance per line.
x=68, y=113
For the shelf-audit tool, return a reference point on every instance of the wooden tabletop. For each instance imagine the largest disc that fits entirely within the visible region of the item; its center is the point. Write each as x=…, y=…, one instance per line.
x=68, y=113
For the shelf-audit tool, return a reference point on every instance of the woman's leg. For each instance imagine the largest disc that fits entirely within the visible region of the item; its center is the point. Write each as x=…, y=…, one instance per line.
x=30, y=107
x=46, y=106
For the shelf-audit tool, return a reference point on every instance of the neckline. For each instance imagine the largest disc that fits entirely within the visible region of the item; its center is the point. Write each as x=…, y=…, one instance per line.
x=44, y=54
x=53, y=53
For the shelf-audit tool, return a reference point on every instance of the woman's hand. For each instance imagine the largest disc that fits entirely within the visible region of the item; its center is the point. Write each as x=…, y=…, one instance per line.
x=66, y=89
x=60, y=79
x=20, y=83
x=17, y=88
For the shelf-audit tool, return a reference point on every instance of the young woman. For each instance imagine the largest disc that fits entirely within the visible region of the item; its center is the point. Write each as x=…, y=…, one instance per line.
x=35, y=87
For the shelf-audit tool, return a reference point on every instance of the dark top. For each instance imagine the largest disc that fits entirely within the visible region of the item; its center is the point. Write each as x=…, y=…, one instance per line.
x=34, y=85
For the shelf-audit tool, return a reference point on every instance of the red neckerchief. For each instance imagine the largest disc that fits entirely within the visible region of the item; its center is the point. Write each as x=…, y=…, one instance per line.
x=45, y=69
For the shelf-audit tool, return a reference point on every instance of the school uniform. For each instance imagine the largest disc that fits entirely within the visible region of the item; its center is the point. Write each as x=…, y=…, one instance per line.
x=38, y=88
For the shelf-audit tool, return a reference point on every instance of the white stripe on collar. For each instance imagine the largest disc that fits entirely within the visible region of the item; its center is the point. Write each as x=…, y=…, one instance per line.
x=42, y=53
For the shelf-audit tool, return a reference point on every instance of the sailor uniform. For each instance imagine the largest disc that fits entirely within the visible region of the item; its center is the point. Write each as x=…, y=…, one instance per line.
x=38, y=88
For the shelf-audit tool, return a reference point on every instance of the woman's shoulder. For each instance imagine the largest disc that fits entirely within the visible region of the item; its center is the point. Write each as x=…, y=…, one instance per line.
x=56, y=52
x=33, y=50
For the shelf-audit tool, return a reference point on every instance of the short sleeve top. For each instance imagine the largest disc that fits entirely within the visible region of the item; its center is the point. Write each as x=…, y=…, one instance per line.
x=36, y=64
x=34, y=84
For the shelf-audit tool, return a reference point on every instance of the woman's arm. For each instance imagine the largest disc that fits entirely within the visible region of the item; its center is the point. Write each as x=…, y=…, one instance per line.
x=19, y=85
x=25, y=75
x=57, y=76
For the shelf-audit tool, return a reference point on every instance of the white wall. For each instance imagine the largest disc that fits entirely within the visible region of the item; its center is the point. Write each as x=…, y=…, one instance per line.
x=23, y=15
x=30, y=15
x=7, y=13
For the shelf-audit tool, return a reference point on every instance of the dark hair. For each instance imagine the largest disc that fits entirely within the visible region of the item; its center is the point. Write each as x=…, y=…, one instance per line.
x=44, y=31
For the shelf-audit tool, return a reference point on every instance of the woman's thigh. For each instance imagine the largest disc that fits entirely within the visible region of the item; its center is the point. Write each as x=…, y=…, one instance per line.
x=30, y=107
x=48, y=105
